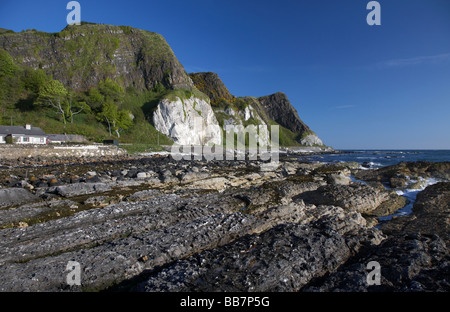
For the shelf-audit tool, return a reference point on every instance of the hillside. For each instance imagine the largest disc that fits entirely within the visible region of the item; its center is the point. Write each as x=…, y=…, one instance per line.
x=274, y=109
x=121, y=82
x=82, y=56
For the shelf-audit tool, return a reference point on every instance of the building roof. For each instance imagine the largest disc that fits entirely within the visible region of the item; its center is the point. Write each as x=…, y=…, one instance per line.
x=5, y=130
x=66, y=137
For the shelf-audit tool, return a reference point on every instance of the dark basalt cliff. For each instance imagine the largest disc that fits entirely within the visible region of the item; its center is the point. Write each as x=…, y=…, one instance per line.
x=278, y=108
x=210, y=84
x=82, y=56
x=275, y=107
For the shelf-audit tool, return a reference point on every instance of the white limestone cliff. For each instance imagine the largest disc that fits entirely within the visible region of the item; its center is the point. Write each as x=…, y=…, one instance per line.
x=188, y=121
x=311, y=139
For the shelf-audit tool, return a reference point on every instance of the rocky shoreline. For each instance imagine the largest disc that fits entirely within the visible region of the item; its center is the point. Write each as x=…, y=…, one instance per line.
x=154, y=224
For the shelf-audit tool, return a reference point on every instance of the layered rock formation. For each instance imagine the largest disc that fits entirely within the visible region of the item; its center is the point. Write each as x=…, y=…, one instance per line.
x=210, y=84
x=279, y=109
x=264, y=111
x=155, y=224
x=82, y=56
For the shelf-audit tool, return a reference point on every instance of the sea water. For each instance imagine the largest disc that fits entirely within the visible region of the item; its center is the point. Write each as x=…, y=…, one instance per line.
x=373, y=159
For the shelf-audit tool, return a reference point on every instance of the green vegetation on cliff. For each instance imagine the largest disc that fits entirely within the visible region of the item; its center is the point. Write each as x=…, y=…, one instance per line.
x=82, y=56
x=105, y=81
x=274, y=109
x=100, y=81
x=29, y=96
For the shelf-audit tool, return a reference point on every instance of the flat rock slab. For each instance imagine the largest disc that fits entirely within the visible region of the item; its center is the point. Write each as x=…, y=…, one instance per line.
x=355, y=196
x=78, y=189
x=284, y=258
x=10, y=197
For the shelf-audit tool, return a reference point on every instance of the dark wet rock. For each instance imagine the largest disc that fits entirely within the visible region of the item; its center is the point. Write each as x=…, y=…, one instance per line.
x=430, y=214
x=389, y=206
x=396, y=175
x=284, y=258
x=398, y=182
x=408, y=262
x=168, y=177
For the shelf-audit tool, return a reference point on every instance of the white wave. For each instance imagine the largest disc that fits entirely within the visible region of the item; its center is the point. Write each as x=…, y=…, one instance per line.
x=370, y=165
x=411, y=195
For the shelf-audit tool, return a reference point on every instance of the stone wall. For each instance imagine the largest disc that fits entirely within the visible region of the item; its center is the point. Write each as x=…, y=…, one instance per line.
x=16, y=151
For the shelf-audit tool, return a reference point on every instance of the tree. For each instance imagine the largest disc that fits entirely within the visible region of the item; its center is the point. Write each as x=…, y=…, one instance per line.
x=54, y=94
x=116, y=120
x=95, y=99
x=108, y=114
x=124, y=121
x=8, y=82
x=111, y=90
x=107, y=91
x=7, y=66
x=33, y=79
x=74, y=107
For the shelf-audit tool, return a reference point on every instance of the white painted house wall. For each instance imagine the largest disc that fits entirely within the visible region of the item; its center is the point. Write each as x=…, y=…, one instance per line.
x=30, y=140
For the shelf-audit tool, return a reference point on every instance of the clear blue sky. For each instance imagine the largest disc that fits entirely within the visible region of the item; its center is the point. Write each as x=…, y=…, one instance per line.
x=355, y=85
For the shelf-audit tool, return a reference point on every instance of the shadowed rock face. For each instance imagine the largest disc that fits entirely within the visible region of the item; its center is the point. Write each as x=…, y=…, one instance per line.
x=284, y=258
x=82, y=56
x=210, y=84
x=408, y=263
x=279, y=109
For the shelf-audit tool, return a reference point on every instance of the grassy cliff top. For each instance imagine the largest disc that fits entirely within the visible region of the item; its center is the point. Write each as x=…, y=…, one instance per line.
x=80, y=56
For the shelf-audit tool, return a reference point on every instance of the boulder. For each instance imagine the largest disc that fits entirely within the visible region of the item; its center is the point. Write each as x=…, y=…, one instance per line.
x=339, y=179
x=16, y=196
x=355, y=196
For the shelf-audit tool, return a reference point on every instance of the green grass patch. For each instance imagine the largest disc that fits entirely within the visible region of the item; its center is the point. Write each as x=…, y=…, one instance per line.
x=287, y=137
x=138, y=148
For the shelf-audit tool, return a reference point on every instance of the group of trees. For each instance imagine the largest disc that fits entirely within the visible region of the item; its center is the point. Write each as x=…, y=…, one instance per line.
x=7, y=73
x=33, y=89
x=104, y=101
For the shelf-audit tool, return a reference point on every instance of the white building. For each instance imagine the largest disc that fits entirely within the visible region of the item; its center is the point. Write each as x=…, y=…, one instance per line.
x=22, y=135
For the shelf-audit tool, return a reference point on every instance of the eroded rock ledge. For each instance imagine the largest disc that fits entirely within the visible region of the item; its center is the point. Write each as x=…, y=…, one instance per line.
x=155, y=224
